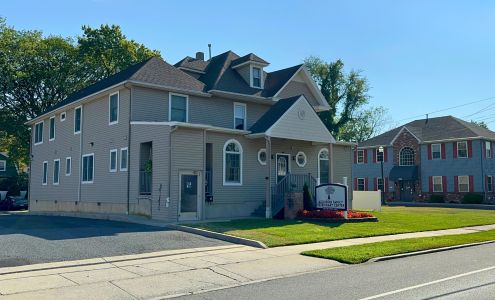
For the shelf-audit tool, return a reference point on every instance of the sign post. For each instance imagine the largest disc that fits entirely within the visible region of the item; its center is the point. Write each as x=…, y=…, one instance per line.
x=332, y=196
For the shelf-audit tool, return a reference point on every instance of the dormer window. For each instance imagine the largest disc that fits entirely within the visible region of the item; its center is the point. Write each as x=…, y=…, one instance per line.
x=256, y=77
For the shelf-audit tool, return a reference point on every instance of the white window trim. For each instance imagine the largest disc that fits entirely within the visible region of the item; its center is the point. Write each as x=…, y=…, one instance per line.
x=225, y=183
x=53, y=179
x=433, y=184
x=305, y=159
x=64, y=114
x=4, y=165
x=459, y=184
x=50, y=128
x=110, y=161
x=263, y=163
x=376, y=156
x=378, y=185
x=467, y=150
x=245, y=113
x=414, y=156
x=488, y=146
x=75, y=119
x=251, y=77
x=36, y=131
x=170, y=105
x=440, y=146
x=109, y=108
x=364, y=184
x=490, y=186
x=127, y=161
x=357, y=157
x=43, y=182
x=82, y=169
x=68, y=159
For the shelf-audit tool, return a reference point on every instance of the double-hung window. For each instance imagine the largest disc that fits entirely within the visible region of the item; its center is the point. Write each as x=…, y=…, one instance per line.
x=45, y=173
x=88, y=164
x=256, y=77
x=488, y=149
x=436, y=151
x=77, y=119
x=462, y=149
x=240, y=116
x=437, y=184
x=56, y=171
x=113, y=160
x=52, y=129
x=379, y=156
x=68, y=166
x=38, y=133
x=3, y=165
x=489, y=184
x=124, y=159
x=360, y=184
x=379, y=184
x=113, y=109
x=463, y=182
x=360, y=156
x=178, y=106
x=232, y=172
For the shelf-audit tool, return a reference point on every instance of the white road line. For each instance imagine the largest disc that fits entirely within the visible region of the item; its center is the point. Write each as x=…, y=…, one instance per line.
x=428, y=283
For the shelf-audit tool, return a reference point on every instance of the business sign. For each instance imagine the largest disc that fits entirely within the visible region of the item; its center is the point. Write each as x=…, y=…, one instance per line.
x=331, y=196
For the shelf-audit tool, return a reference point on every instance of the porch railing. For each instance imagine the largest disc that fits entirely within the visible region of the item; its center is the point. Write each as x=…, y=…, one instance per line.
x=145, y=183
x=290, y=183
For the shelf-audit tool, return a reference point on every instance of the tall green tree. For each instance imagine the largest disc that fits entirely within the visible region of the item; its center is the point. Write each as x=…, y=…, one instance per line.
x=480, y=124
x=365, y=124
x=37, y=72
x=345, y=92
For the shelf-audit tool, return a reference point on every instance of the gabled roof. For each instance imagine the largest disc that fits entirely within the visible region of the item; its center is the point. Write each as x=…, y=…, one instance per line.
x=433, y=129
x=249, y=57
x=273, y=114
x=152, y=71
x=276, y=80
x=192, y=63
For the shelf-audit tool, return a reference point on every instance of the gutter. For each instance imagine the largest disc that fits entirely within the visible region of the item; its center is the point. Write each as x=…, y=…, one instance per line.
x=129, y=153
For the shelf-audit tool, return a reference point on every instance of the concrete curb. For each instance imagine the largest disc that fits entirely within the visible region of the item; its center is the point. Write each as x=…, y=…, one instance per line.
x=402, y=255
x=219, y=236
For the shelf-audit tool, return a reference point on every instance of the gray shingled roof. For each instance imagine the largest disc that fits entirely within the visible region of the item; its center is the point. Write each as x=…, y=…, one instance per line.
x=249, y=57
x=153, y=70
x=434, y=129
x=192, y=63
x=273, y=114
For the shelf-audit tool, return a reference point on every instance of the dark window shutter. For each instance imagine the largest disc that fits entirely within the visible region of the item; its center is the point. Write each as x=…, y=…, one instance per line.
x=429, y=152
x=374, y=155
x=365, y=156
x=385, y=154
x=355, y=156
x=430, y=183
x=355, y=184
x=375, y=184
x=486, y=183
x=366, y=184
x=385, y=186
x=444, y=154
x=471, y=183
x=454, y=146
x=456, y=184
x=444, y=183
x=470, y=149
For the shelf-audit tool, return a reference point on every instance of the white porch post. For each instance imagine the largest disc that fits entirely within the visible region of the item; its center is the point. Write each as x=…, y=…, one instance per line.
x=268, y=178
x=330, y=163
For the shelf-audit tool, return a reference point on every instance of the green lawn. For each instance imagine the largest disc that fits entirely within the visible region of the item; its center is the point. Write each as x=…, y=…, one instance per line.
x=361, y=253
x=391, y=220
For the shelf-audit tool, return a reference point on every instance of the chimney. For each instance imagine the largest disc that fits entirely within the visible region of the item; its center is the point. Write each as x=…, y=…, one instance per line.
x=200, y=55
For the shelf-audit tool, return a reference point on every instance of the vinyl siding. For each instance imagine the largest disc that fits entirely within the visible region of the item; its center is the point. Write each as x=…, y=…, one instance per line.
x=343, y=159
x=10, y=169
x=372, y=170
x=295, y=88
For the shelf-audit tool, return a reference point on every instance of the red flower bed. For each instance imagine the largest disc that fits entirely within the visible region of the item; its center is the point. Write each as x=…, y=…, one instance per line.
x=332, y=214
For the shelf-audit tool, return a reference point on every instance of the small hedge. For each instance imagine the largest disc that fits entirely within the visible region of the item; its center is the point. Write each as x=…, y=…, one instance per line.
x=437, y=199
x=332, y=214
x=471, y=198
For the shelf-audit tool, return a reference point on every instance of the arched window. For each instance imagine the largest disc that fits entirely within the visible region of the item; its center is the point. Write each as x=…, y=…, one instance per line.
x=323, y=166
x=406, y=157
x=232, y=163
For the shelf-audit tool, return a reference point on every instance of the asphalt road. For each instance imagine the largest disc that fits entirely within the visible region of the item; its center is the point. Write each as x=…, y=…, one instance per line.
x=467, y=273
x=38, y=239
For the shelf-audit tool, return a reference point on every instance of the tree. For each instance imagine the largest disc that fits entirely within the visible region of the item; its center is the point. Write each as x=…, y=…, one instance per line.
x=365, y=124
x=480, y=124
x=344, y=92
x=37, y=72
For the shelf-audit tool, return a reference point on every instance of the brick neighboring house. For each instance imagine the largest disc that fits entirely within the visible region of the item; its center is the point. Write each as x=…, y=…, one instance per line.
x=443, y=155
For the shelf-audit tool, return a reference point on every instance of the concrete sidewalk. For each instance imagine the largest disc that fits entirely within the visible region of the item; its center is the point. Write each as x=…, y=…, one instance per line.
x=176, y=272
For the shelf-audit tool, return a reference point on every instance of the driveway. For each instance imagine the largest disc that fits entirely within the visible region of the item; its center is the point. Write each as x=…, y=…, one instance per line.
x=26, y=239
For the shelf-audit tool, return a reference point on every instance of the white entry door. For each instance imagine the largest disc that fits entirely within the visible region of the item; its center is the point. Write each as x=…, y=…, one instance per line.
x=189, y=196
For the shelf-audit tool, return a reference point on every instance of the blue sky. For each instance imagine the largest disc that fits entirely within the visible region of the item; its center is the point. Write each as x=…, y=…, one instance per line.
x=419, y=56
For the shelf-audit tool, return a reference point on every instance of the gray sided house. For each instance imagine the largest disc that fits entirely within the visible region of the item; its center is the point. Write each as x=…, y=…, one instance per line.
x=7, y=167
x=201, y=139
x=438, y=156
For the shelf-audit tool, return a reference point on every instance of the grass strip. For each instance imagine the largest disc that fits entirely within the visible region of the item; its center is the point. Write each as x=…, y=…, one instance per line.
x=362, y=253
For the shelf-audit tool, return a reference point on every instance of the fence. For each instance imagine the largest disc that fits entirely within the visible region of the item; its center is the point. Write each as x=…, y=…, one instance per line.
x=290, y=183
x=366, y=200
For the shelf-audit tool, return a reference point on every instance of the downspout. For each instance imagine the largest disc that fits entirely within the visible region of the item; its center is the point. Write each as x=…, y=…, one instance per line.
x=30, y=167
x=174, y=128
x=482, y=171
x=129, y=153
x=80, y=151
x=203, y=192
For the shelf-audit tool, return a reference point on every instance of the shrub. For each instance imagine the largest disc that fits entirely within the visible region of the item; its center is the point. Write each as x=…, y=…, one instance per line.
x=437, y=199
x=471, y=198
x=332, y=214
x=13, y=185
x=307, y=198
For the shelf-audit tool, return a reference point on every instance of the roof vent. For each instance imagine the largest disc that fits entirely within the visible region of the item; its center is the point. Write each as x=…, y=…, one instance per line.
x=200, y=55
